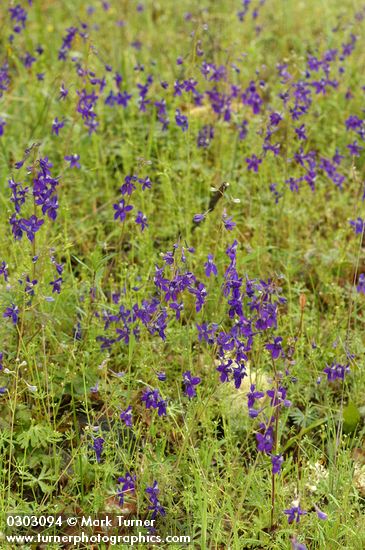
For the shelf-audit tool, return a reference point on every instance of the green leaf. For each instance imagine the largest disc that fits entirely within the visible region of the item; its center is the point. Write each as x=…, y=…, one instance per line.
x=351, y=417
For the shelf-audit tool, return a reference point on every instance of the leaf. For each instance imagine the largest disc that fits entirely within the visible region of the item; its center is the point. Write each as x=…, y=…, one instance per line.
x=351, y=417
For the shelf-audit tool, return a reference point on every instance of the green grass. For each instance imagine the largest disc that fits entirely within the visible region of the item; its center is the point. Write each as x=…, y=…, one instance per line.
x=213, y=483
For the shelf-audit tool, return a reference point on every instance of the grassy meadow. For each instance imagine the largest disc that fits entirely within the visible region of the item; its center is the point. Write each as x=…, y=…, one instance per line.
x=182, y=268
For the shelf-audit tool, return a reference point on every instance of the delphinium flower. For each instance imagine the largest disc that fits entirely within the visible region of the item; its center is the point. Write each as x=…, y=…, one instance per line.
x=358, y=225
x=360, y=284
x=253, y=163
x=152, y=398
x=189, y=384
x=73, y=160
x=63, y=92
x=252, y=98
x=275, y=192
x=121, y=210
x=294, y=513
x=2, y=126
x=12, y=312
x=320, y=514
x=86, y=107
x=126, y=416
x=275, y=348
x=252, y=396
x=198, y=218
x=28, y=60
x=56, y=285
x=141, y=220
x=29, y=285
x=161, y=376
x=205, y=136
x=4, y=270
x=128, y=486
x=19, y=17
x=67, y=43
x=98, y=443
x=296, y=545
x=30, y=226
x=276, y=462
x=300, y=132
x=153, y=495
x=1, y=360
x=228, y=222
x=265, y=438
x=210, y=267
x=336, y=371
x=355, y=149
x=181, y=120
x=278, y=397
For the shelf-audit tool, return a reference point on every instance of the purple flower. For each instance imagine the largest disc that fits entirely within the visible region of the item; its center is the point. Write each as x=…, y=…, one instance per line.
x=181, y=120
x=275, y=348
x=155, y=505
x=294, y=513
x=121, y=210
x=161, y=376
x=296, y=545
x=253, y=163
x=19, y=16
x=358, y=225
x=360, y=286
x=205, y=136
x=253, y=395
x=189, y=383
x=210, y=267
x=98, y=447
x=30, y=226
x=56, y=285
x=152, y=398
x=228, y=222
x=73, y=160
x=300, y=131
x=128, y=486
x=177, y=307
x=12, y=312
x=198, y=218
x=336, y=371
x=2, y=126
x=128, y=186
x=4, y=270
x=276, y=461
x=57, y=125
x=126, y=416
x=320, y=514
x=265, y=439
x=354, y=149
x=141, y=220
x=63, y=92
